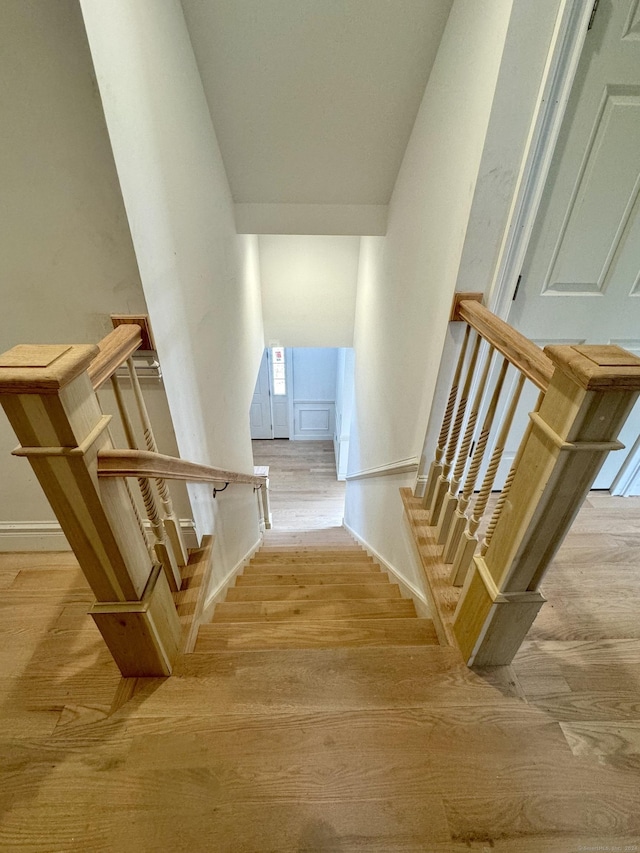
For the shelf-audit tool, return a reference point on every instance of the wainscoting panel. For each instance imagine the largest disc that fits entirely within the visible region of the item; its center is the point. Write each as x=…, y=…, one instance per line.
x=313, y=420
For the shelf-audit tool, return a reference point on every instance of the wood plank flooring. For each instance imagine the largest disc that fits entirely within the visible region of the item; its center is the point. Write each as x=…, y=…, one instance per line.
x=327, y=750
x=580, y=662
x=303, y=488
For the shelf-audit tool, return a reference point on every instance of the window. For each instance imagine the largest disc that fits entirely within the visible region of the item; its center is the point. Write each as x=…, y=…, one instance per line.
x=279, y=371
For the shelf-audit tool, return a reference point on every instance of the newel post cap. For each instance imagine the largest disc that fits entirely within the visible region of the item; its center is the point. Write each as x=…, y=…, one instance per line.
x=597, y=367
x=43, y=368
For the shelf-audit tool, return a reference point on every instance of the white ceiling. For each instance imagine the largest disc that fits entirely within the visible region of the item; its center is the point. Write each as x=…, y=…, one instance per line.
x=313, y=101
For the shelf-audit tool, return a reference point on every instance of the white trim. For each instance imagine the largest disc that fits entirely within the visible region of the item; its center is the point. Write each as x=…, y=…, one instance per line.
x=403, y=466
x=627, y=474
x=188, y=530
x=217, y=593
x=410, y=591
x=421, y=485
x=48, y=535
x=557, y=80
x=32, y=536
x=288, y=363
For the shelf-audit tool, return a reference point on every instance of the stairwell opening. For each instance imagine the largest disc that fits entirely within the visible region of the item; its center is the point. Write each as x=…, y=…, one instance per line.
x=300, y=420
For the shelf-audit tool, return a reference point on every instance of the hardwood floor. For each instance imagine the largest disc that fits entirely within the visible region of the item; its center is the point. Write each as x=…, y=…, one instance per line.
x=304, y=491
x=327, y=750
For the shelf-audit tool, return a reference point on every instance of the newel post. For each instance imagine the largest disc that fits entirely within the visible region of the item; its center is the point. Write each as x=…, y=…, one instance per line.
x=591, y=393
x=53, y=409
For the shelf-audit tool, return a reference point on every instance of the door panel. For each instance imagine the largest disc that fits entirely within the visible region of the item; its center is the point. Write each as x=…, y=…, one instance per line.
x=581, y=276
x=260, y=411
x=280, y=407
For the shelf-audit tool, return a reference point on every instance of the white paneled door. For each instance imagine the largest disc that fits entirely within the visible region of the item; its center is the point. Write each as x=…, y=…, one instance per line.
x=269, y=413
x=260, y=412
x=581, y=277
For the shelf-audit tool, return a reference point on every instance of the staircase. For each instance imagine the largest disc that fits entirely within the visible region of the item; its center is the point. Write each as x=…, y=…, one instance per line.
x=313, y=591
x=307, y=720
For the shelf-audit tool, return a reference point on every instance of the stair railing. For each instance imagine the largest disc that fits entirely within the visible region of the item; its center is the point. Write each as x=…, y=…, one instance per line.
x=586, y=394
x=49, y=395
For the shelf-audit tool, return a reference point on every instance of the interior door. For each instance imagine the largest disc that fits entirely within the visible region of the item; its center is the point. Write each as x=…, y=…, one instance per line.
x=581, y=277
x=260, y=412
x=280, y=385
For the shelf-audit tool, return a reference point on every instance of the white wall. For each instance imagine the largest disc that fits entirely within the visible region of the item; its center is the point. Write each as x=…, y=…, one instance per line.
x=314, y=372
x=529, y=39
x=406, y=279
x=66, y=258
x=309, y=289
x=201, y=280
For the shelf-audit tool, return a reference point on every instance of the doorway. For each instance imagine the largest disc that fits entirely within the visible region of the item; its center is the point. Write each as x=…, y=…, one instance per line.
x=306, y=394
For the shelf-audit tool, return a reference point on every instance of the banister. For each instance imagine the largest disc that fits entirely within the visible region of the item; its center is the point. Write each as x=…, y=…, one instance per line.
x=403, y=466
x=115, y=349
x=49, y=399
x=143, y=463
x=528, y=358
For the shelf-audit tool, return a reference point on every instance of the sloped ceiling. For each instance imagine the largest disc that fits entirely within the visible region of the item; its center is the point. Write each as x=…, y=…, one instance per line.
x=313, y=102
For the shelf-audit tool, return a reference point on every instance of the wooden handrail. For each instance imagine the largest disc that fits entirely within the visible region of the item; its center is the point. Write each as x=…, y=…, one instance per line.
x=143, y=463
x=115, y=349
x=519, y=350
x=404, y=466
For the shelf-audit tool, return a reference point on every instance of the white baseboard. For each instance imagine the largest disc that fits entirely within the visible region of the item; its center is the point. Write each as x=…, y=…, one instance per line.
x=407, y=588
x=218, y=593
x=48, y=536
x=32, y=536
x=420, y=486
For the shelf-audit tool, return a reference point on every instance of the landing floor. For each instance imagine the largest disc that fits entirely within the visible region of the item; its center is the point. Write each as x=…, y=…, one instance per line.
x=304, y=492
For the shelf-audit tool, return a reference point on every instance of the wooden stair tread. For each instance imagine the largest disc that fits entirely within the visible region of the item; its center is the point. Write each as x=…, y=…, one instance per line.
x=311, y=556
x=273, y=611
x=317, y=566
x=315, y=578
x=315, y=634
x=310, y=591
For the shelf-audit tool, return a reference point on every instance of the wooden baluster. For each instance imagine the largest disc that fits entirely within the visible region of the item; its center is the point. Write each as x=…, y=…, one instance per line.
x=504, y=494
x=436, y=468
x=468, y=541
x=141, y=527
x=450, y=501
x=459, y=521
x=264, y=507
x=442, y=482
x=49, y=399
x=161, y=549
x=591, y=393
x=171, y=523
x=131, y=442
